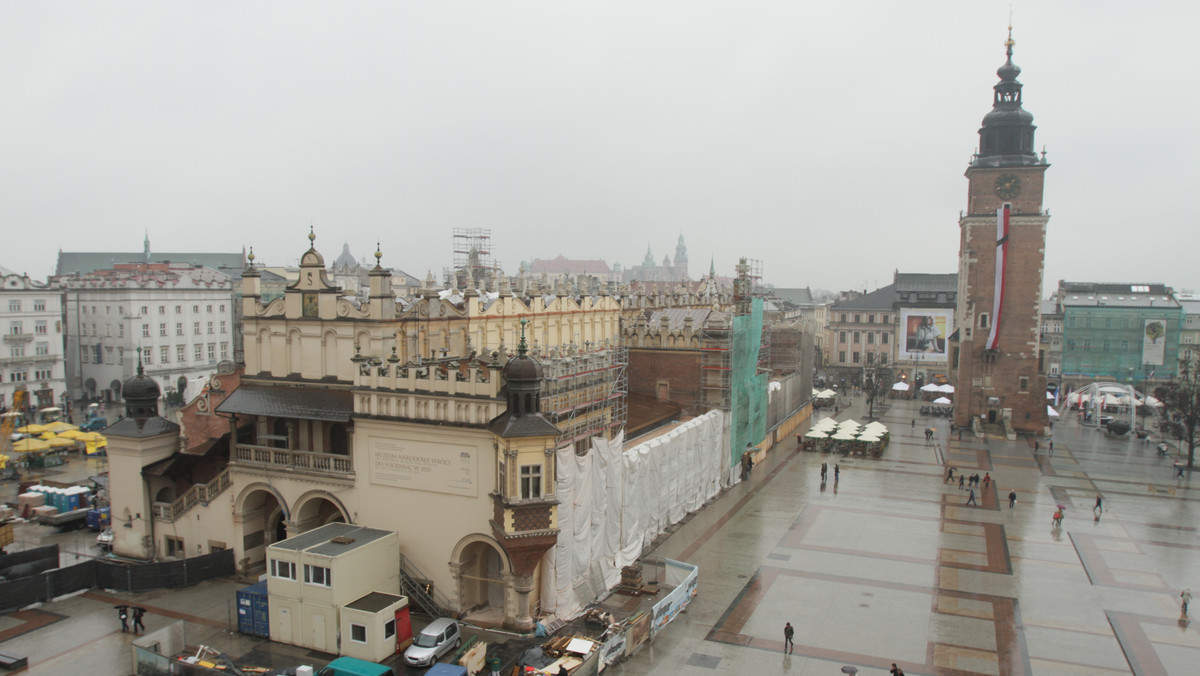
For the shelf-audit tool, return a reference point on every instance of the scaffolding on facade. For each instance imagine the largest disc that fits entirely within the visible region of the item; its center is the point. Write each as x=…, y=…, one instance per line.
x=585, y=394
x=472, y=261
x=747, y=286
x=716, y=367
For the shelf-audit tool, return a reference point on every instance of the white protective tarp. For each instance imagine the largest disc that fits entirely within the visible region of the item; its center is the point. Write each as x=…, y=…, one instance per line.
x=614, y=503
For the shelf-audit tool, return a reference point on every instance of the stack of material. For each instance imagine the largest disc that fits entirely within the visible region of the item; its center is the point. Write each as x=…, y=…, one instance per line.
x=45, y=510
x=6, y=512
x=631, y=579
x=27, y=502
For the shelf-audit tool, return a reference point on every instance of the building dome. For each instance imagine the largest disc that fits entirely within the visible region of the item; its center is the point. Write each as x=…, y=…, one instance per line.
x=141, y=395
x=522, y=368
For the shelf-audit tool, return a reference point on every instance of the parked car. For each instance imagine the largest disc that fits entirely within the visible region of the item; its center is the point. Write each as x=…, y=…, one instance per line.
x=438, y=638
x=105, y=540
x=94, y=425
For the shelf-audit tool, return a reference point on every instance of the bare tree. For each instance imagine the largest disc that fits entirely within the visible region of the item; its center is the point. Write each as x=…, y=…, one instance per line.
x=1181, y=399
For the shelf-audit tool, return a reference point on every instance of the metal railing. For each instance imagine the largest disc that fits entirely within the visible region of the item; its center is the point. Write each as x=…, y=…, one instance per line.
x=411, y=583
x=199, y=494
x=301, y=460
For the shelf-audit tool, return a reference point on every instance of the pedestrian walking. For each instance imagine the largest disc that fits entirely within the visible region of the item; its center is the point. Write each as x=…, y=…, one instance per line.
x=837, y=473
x=1056, y=520
x=895, y=670
x=1178, y=470
x=824, y=471
x=949, y=475
x=1098, y=509
x=914, y=423
x=1050, y=445
x=987, y=479
x=788, y=632
x=971, y=498
x=1036, y=446
x=1185, y=597
x=961, y=477
x=1012, y=499
x=747, y=464
x=138, y=612
x=123, y=614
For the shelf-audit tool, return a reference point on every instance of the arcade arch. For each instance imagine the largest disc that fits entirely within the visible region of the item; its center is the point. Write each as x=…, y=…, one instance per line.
x=263, y=519
x=483, y=575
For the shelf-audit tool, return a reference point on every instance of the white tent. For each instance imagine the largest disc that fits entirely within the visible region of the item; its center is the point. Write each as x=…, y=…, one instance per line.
x=869, y=438
x=816, y=434
x=929, y=388
x=845, y=435
x=849, y=424
x=948, y=389
x=825, y=424
x=877, y=426
x=1152, y=402
x=827, y=394
x=1051, y=412
x=942, y=400
x=900, y=387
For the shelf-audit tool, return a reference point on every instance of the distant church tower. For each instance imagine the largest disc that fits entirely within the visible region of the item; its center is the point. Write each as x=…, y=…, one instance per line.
x=681, y=262
x=1002, y=244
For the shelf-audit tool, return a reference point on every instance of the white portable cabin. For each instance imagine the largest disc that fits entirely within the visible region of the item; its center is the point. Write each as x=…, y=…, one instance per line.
x=369, y=626
x=311, y=576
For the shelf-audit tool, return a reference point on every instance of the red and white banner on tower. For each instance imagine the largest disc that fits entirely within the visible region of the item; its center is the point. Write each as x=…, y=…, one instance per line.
x=993, y=341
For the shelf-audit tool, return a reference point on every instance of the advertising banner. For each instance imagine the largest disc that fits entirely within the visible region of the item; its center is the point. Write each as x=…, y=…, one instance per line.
x=1154, y=341
x=924, y=333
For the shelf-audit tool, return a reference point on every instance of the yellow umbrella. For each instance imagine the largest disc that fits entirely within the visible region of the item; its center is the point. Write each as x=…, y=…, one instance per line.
x=28, y=445
x=94, y=446
x=3, y=461
x=71, y=434
x=32, y=429
x=59, y=426
x=90, y=437
x=46, y=436
x=61, y=442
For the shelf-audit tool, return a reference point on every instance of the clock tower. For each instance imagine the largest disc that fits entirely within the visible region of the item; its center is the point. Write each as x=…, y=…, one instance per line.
x=1002, y=244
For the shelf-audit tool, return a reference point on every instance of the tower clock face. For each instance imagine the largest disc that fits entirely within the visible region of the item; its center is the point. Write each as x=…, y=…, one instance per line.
x=1008, y=186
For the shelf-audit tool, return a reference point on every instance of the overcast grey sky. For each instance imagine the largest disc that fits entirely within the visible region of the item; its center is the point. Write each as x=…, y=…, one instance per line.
x=828, y=140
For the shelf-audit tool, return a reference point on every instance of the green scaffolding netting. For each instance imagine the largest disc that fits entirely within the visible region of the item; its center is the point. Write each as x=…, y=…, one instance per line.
x=748, y=395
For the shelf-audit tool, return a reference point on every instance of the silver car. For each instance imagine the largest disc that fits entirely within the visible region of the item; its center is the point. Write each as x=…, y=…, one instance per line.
x=440, y=637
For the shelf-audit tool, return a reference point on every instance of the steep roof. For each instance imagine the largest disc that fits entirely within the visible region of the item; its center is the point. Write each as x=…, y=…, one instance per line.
x=920, y=281
x=880, y=299
x=797, y=296
x=560, y=265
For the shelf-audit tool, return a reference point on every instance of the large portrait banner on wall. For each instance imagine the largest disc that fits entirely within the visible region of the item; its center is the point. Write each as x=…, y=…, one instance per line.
x=924, y=334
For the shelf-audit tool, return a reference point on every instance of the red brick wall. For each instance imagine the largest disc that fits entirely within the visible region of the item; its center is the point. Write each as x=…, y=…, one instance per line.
x=200, y=426
x=679, y=367
x=1021, y=314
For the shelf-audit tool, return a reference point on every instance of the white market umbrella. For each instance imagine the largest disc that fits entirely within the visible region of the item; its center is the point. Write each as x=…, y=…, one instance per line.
x=843, y=435
x=900, y=387
x=825, y=424
x=816, y=434
x=948, y=389
x=849, y=424
x=869, y=438
x=930, y=388
x=942, y=400
x=816, y=392
x=1152, y=402
x=1049, y=395
x=877, y=426
x=1051, y=412
x=827, y=394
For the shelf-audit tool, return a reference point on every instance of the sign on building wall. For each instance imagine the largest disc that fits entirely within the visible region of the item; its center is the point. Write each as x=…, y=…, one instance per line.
x=423, y=466
x=924, y=334
x=1154, y=341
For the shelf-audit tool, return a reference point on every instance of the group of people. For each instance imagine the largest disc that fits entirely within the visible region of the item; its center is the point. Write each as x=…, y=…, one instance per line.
x=837, y=473
x=124, y=613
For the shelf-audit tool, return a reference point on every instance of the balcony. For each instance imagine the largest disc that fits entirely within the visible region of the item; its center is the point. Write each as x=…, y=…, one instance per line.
x=199, y=494
x=18, y=337
x=302, y=461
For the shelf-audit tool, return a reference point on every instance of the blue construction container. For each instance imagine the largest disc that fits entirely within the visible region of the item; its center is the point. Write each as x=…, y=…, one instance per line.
x=98, y=519
x=253, y=614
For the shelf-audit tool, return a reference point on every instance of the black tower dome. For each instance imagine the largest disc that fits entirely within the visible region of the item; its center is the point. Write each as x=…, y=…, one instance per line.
x=1006, y=137
x=141, y=395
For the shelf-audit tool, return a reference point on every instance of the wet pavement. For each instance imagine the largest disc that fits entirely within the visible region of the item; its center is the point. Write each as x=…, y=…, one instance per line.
x=887, y=565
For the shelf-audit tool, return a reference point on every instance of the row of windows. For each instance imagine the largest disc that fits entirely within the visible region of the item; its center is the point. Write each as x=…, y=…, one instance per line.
x=98, y=354
x=145, y=309
x=1101, y=346
x=857, y=357
x=22, y=375
x=884, y=338
x=14, y=305
x=1108, y=323
x=883, y=319
x=41, y=327
x=39, y=349
x=319, y=576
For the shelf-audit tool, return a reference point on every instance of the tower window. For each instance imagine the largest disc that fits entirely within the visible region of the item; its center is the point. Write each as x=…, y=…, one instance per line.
x=531, y=482
x=984, y=320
